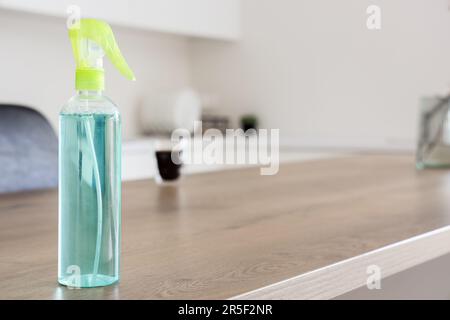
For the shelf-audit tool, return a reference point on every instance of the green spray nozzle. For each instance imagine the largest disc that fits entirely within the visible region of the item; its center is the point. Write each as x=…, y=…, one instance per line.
x=91, y=39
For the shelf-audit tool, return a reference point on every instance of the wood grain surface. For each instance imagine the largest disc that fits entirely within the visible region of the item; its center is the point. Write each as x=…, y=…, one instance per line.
x=218, y=235
x=338, y=279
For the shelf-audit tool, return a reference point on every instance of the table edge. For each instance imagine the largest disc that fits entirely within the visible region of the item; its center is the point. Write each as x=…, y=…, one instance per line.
x=336, y=279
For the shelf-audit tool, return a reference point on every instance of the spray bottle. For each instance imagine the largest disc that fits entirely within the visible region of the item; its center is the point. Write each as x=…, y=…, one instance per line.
x=90, y=164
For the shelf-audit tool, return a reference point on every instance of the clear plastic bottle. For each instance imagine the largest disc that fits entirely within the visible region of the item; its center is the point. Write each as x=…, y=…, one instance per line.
x=90, y=189
x=89, y=164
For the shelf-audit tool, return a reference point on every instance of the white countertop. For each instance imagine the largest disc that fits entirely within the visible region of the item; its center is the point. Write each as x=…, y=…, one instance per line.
x=138, y=161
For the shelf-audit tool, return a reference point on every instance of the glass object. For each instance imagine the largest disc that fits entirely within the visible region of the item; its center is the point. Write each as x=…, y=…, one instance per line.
x=168, y=163
x=90, y=192
x=433, y=150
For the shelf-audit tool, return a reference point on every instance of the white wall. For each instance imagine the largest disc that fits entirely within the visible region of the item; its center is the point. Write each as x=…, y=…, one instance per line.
x=312, y=69
x=308, y=67
x=37, y=67
x=203, y=18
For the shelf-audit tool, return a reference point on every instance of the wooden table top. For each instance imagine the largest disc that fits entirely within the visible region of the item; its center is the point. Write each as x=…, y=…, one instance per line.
x=217, y=235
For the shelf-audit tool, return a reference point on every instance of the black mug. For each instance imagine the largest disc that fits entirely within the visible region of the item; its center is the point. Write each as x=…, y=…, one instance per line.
x=169, y=166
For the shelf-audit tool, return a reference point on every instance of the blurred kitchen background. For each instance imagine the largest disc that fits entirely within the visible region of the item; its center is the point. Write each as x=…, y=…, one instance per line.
x=308, y=67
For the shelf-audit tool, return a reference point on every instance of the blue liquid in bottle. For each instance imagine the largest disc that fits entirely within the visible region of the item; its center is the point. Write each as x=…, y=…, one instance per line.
x=89, y=197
